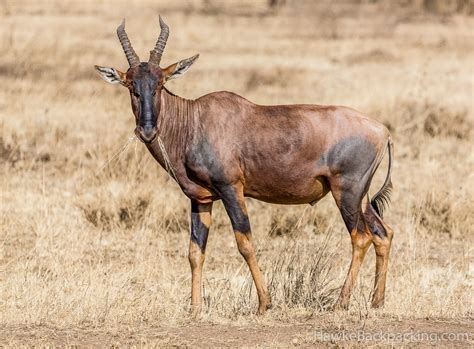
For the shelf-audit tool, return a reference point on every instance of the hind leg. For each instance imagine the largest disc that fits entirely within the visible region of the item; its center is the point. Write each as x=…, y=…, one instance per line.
x=349, y=201
x=382, y=236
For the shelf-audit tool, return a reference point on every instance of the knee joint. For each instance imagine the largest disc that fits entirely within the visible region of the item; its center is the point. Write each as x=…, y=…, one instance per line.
x=195, y=258
x=360, y=240
x=245, y=247
x=382, y=245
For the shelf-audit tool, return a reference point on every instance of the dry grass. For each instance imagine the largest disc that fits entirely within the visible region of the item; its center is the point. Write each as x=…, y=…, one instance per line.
x=93, y=242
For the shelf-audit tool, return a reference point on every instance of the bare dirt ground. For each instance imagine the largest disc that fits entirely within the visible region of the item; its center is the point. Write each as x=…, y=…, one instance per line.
x=94, y=235
x=315, y=332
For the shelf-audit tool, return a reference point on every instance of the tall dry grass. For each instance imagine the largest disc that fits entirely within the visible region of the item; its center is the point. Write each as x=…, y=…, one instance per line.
x=94, y=233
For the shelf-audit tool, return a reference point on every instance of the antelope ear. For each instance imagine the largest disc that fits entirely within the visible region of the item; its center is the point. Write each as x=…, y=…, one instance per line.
x=111, y=75
x=177, y=69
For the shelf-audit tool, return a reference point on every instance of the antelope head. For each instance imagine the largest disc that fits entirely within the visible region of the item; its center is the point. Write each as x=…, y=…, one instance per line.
x=145, y=80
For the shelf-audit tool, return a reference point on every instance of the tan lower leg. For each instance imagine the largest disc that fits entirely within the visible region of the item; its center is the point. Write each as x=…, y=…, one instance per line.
x=360, y=244
x=196, y=260
x=382, y=252
x=246, y=248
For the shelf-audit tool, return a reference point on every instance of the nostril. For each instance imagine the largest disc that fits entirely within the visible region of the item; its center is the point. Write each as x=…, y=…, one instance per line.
x=146, y=133
x=148, y=130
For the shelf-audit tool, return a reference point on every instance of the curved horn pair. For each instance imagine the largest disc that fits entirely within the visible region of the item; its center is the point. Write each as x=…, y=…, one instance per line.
x=155, y=54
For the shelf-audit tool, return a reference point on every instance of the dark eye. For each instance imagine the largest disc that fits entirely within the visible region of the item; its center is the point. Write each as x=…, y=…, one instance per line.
x=135, y=93
x=154, y=93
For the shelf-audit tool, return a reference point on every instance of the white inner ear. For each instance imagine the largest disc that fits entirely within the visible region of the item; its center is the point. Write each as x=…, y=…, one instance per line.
x=109, y=74
x=183, y=66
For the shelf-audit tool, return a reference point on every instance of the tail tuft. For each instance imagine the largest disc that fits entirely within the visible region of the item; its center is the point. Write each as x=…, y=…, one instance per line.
x=382, y=199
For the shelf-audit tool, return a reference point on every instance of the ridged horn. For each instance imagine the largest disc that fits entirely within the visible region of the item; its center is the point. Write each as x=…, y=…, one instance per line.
x=132, y=57
x=157, y=52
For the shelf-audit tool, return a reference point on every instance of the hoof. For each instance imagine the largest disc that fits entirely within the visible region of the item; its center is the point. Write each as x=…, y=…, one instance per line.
x=340, y=306
x=263, y=309
x=377, y=304
x=195, y=312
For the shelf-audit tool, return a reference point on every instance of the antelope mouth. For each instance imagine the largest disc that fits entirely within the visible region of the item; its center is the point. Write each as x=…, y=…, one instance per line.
x=146, y=134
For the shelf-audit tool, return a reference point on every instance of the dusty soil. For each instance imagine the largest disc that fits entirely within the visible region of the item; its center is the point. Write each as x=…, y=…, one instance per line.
x=316, y=332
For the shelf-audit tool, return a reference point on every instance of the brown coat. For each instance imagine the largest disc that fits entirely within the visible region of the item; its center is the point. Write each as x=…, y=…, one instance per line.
x=223, y=147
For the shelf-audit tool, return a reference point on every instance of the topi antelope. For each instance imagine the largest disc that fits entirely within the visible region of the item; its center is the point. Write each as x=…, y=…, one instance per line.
x=223, y=147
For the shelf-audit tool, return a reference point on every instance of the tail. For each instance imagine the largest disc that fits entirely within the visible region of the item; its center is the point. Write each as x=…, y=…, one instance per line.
x=381, y=199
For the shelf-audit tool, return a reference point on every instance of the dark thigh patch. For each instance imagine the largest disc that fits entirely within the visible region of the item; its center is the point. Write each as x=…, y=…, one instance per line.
x=351, y=157
x=351, y=162
x=205, y=162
